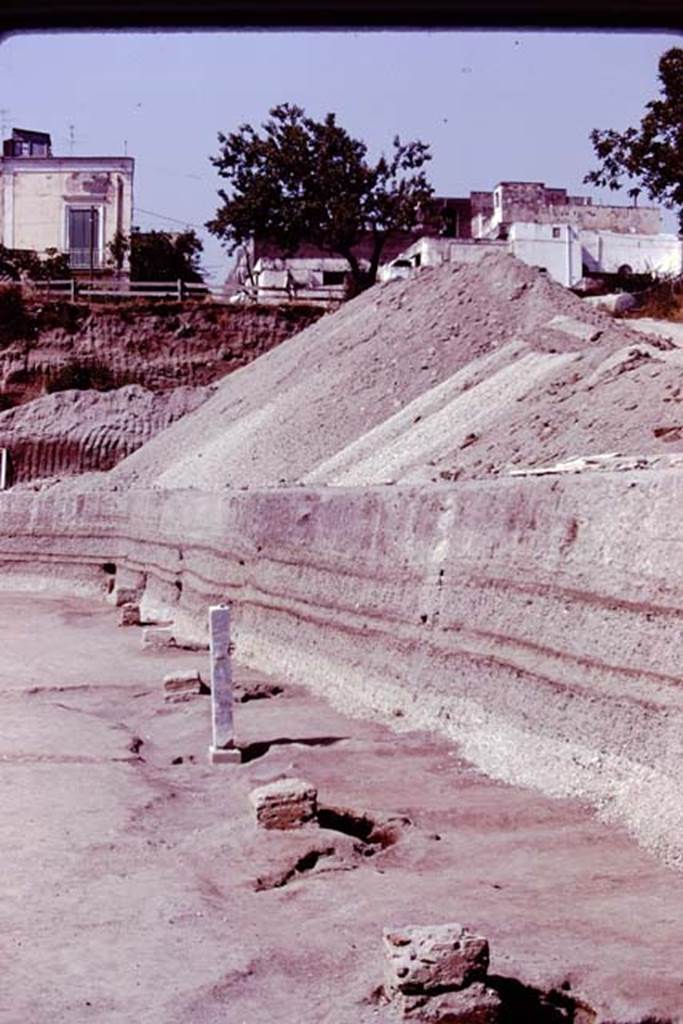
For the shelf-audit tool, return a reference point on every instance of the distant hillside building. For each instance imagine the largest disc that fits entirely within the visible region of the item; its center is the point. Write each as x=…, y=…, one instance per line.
x=531, y=202
x=568, y=236
x=67, y=204
x=262, y=273
x=490, y=215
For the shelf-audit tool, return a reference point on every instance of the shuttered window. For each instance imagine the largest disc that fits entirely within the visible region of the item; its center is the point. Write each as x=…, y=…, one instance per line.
x=84, y=238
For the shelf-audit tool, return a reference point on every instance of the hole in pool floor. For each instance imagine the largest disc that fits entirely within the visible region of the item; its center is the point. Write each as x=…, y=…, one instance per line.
x=256, y=691
x=373, y=835
x=305, y=864
x=534, y=1006
x=253, y=751
x=343, y=820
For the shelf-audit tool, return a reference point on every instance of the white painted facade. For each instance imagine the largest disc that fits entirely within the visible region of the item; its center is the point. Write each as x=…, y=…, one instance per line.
x=554, y=248
x=610, y=251
x=432, y=252
x=300, y=279
x=560, y=249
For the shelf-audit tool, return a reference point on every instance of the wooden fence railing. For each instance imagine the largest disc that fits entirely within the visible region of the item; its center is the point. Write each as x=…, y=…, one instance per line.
x=74, y=289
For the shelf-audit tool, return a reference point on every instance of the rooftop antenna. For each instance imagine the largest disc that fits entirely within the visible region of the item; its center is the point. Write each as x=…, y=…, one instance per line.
x=125, y=147
x=4, y=118
x=72, y=139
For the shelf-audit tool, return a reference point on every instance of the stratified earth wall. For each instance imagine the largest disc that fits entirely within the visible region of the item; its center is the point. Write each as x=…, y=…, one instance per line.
x=534, y=620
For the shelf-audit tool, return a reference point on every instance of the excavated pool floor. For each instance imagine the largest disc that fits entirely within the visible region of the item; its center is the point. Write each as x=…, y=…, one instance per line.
x=135, y=886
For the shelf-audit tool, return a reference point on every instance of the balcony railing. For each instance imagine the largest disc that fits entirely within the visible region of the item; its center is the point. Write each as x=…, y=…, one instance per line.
x=85, y=259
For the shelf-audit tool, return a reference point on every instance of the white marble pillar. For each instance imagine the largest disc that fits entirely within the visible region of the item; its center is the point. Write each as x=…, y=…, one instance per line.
x=222, y=749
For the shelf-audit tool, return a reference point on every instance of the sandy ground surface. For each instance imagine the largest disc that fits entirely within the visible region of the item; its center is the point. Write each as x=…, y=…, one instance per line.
x=135, y=887
x=660, y=328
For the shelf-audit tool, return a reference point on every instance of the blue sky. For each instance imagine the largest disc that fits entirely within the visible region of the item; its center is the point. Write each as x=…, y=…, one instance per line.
x=493, y=105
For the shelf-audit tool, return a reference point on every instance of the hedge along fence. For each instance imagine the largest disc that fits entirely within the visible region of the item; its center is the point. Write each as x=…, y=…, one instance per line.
x=15, y=321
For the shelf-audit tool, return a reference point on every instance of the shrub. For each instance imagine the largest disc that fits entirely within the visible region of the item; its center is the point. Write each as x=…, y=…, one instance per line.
x=60, y=314
x=15, y=320
x=663, y=301
x=16, y=263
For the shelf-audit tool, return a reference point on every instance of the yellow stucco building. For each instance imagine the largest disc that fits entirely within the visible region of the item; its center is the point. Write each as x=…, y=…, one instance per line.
x=69, y=204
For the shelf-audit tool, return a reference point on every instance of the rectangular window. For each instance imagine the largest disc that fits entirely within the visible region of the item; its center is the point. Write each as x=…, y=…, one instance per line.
x=331, y=277
x=83, y=238
x=556, y=233
x=24, y=148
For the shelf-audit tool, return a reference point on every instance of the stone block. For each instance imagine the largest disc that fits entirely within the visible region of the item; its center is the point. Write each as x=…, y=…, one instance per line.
x=433, y=958
x=130, y=615
x=158, y=637
x=614, y=303
x=225, y=755
x=180, y=686
x=475, y=1004
x=285, y=804
x=125, y=595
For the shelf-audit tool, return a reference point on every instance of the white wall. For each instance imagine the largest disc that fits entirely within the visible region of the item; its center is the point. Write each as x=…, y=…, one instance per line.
x=559, y=248
x=554, y=247
x=432, y=252
x=281, y=280
x=607, y=251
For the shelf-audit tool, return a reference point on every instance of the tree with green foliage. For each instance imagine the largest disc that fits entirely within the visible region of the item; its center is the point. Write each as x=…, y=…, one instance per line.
x=165, y=256
x=118, y=249
x=302, y=180
x=652, y=154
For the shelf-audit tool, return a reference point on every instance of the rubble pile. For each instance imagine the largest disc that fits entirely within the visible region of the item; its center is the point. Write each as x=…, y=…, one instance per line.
x=436, y=974
x=459, y=371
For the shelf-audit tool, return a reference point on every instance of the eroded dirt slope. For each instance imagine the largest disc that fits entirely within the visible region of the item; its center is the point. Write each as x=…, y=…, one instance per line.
x=73, y=432
x=154, y=361
x=159, y=346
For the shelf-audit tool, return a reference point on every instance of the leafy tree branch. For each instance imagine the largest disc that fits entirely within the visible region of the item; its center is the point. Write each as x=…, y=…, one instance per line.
x=301, y=180
x=652, y=154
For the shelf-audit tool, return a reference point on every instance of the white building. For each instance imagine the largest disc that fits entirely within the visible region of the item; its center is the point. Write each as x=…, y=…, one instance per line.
x=567, y=236
x=429, y=251
x=611, y=252
x=555, y=248
x=311, y=275
x=302, y=279
x=566, y=252
x=63, y=204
